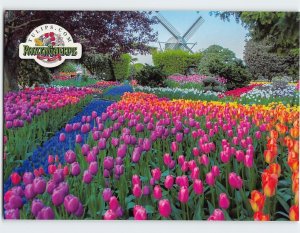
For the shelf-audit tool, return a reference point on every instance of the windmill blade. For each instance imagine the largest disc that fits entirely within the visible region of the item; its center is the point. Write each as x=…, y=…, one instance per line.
x=167, y=25
x=195, y=26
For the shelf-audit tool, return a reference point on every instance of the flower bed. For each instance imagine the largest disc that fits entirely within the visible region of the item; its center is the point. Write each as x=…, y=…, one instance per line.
x=181, y=79
x=152, y=158
x=31, y=116
x=179, y=93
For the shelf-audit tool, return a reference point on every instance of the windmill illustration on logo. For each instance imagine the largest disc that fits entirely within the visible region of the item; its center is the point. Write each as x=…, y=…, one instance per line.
x=178, y=41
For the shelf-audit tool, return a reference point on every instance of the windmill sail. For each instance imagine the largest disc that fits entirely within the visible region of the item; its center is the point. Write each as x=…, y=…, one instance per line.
x=195, y=26
x=168, y=25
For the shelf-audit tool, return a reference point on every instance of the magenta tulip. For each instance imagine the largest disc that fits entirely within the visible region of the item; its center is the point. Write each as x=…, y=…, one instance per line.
x=164, y=208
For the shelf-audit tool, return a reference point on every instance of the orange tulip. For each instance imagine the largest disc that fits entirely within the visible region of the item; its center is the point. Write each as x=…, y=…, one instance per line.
x=296, y=146
x=269, y=184
x=269, y=156
x=295, y=182
x=293, y=161
x=259, y=216
x=274, y=168
x=281, y=128
x=294, y=132
x=274, y=134
x=294, y=213
x=257, y=201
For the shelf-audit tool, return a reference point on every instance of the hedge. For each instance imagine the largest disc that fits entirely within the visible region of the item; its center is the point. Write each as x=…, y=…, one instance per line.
x=175, y=61
x=122, y=67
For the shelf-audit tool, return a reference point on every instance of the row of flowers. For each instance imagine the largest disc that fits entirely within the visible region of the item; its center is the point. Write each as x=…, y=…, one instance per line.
x=152, y=158
x=196, y=78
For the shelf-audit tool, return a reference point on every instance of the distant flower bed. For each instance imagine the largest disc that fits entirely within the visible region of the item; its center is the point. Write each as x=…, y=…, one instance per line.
x=105, y=84
x=63, y=78
x=239, y=91
x=193, y=79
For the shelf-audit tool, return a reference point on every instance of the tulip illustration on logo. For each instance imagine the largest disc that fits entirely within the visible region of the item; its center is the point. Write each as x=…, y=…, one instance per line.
x=50, y=45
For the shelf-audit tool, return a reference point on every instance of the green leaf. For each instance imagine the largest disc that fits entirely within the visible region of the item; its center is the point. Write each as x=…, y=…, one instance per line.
x=149, y=209
x=130, y=205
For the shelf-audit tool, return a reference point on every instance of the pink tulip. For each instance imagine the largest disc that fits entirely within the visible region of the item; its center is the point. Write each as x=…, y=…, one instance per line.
x=28, y=178
x=235, y=181
x=75, y=169
x=210, y=179
x=215, y=171
x=113, y=203
x=169, y=181
x=136, y=180
x=183, y=194
x=39, y=185
x=157, y=192
x=85, y=149
x=156, y=174
x=137, y=191
x=204, y=160
x=198, y=186
x=174, y=147
x=110, y=215
x=139, y=213
x=181, y=159
x=164, y=208
x=223, y=201
x=257, y=135
x=167, y=159
x=248, y=161
x=195, y=173
x=62, y=137
x=93, y=168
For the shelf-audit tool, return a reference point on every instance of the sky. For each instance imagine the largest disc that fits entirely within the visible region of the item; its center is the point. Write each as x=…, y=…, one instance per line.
x=229, y=35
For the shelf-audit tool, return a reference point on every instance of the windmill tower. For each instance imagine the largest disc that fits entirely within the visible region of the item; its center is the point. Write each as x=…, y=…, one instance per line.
x=177, y=41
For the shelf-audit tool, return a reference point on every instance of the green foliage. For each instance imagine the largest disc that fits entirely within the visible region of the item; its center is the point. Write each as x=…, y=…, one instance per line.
x=219, y=61
x=152, y=76
x=175, y=61
x=264, y=64
x=67, y=67
x=29, y=73
x=173, y=84
x=98, y=65
x=122, y=67
x=84, y=76
x=74, y=82
x=213, y=54
x=282, y=27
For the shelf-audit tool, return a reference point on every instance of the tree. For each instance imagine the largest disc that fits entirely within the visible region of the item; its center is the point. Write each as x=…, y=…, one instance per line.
x=219, y=61
x=215, y=54
x=281, y=27
x=105, y=32
x=262, y=63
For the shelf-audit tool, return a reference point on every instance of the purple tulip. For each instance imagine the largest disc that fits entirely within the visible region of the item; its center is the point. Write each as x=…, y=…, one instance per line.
x=8, y=124
x=71, y=203
x=85, y=149
x=18, y=191
x=85, y=128
x=106, y=173
x=15, y=202
x=87, y=177
x=78, y=138
x=93, y=168
x=79, y=211
x=108, y=162
x=70, y=156
x=12, y=214
x=58, y=196
x=136, y=155
x=29, y=191
x=45, y=213
x=121, y=152
x=39, y=185
x=75, y=169
x=114, y=142
x=51, y=185
x=36, y=206
x=28, y=178
x=146, y=190
x=58, y=176
x=119, y=170
x=107, y=193
x=102, y=143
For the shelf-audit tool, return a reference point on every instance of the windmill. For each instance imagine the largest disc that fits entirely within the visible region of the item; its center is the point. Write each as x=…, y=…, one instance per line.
x=177, y=41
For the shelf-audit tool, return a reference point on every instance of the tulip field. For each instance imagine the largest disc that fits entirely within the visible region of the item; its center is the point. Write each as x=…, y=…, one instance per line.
x=150, y=154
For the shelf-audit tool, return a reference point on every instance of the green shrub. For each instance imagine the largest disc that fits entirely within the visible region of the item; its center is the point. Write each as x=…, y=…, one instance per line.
x=29, y=73
x=175, y=61
x=152, y=76
x=122, y=67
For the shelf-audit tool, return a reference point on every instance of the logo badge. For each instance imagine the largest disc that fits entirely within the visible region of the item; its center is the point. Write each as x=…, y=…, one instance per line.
x=50, y=45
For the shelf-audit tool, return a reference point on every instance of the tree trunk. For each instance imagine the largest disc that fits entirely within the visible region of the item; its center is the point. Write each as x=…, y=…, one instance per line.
x=10, y=77
x=111, y=68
